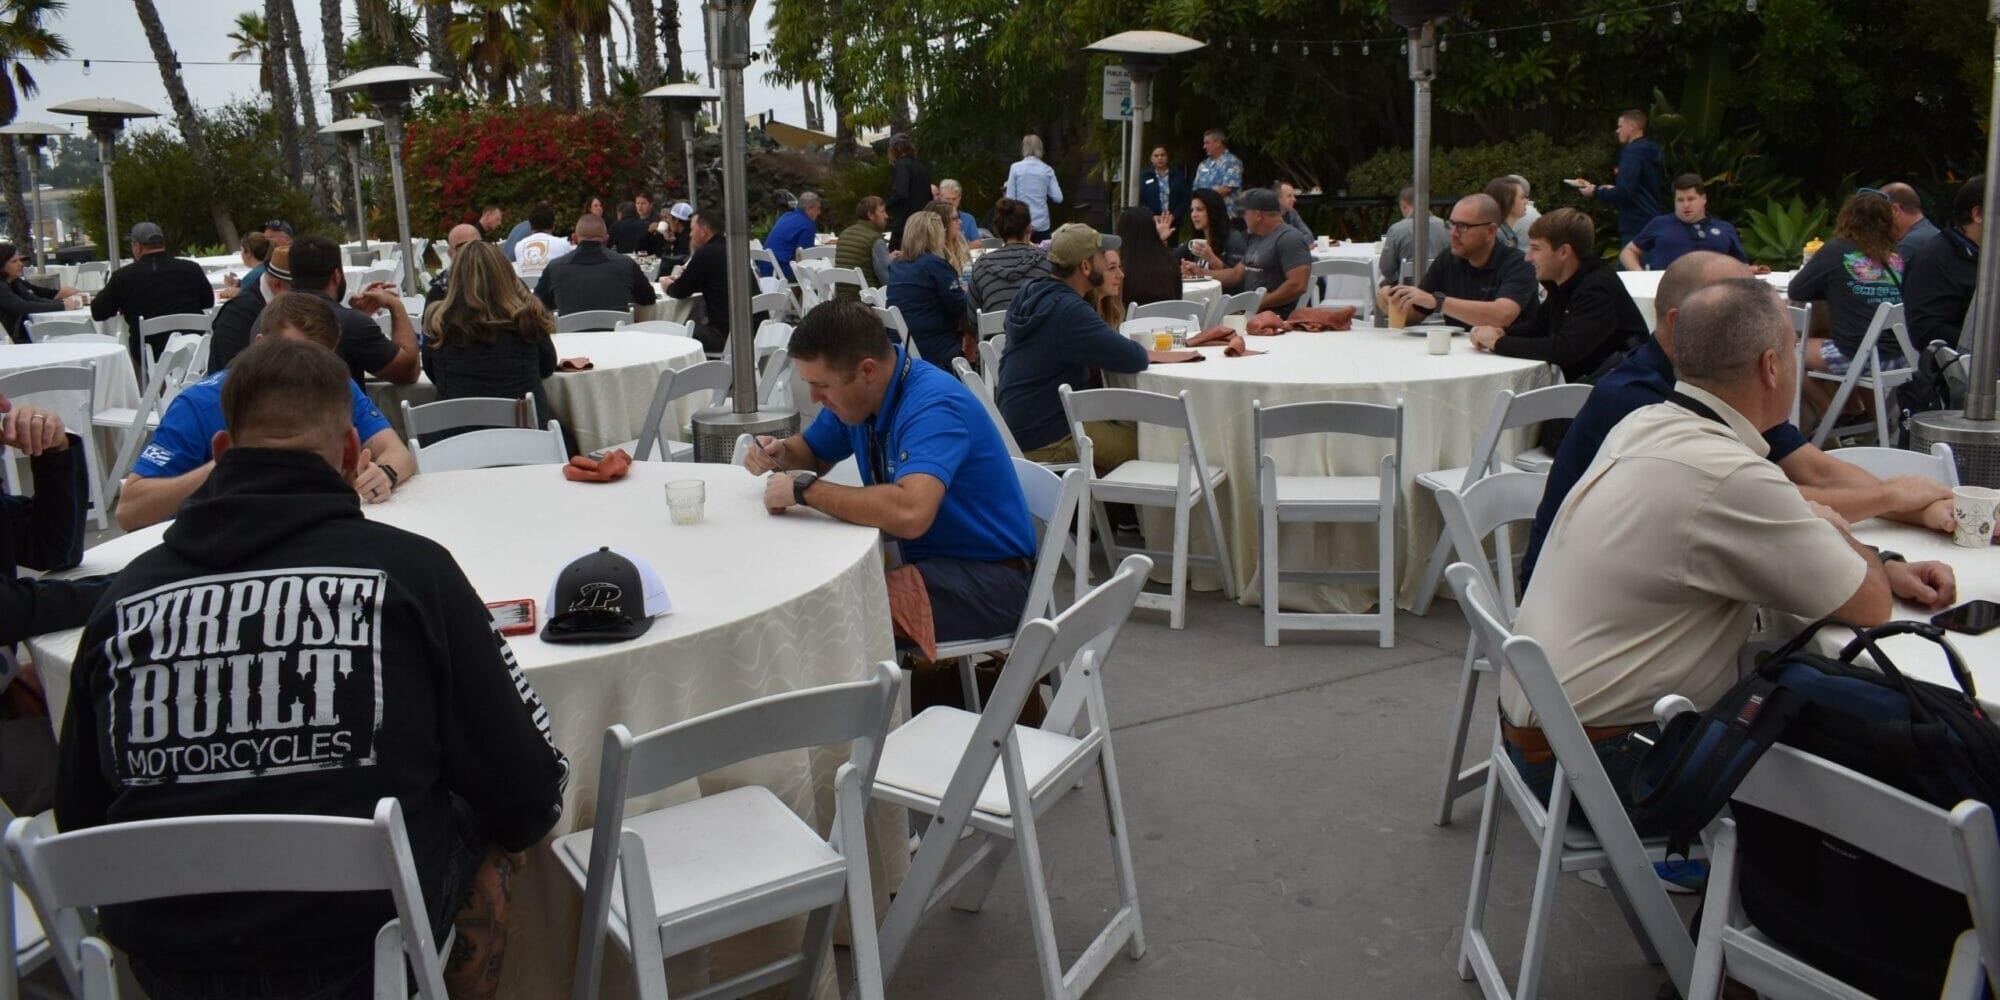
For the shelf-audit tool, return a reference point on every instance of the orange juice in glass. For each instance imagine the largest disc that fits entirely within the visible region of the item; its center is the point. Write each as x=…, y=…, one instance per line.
x=1163, y=340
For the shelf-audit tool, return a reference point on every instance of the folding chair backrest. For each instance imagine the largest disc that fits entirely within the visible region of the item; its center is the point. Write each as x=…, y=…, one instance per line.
x=1089, y=406
x=1053, y=500
x=375, y=274
x=775, y=376
x=70, y=393
x=816, y=253
x=713, y=376
x=990, y=351
x=470, y=411
x=1077, y=642
x=198, y=364
x=42, y=330
x=776, y=305
x=162, y=385
x=489, y=449
x=1883, y=463
x=1888, y=317
x=760, y=255
x=1242, y=304
x=1331, y=278
x=992, y=323
x=827, y=280
x=1511, y=411
x=78, y=337
x=1474, y=514
x=666, y=326
x=977, y=385
x=1292, y=419
x=592, y=320
x=70, y=873
x=174, y=323
x=1193, y=312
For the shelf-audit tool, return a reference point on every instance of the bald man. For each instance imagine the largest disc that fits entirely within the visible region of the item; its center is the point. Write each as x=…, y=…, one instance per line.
x=1647, y=375
x=1913, y=231
x=1477, y=281
x=460, y=235
x=593, y=276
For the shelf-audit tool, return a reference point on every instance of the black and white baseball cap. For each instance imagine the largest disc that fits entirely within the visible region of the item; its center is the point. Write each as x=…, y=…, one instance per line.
x=604, y=596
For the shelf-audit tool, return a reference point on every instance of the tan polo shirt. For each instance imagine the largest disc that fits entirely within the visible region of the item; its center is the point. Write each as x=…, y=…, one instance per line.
x=1659, y=557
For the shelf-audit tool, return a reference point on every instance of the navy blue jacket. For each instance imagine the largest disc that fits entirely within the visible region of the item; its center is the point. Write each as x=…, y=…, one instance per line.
x=1642, y=173
x=1178, y=193
x=932, y=299
x=1054, y=338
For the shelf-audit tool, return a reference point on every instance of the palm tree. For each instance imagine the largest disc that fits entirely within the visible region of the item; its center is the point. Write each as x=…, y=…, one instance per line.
x=646, y=63
x=335, y=46
x=22, y=39
x=253, y=41
x=437, y=20
x=184, y=116
x=295, y=46
x=487, y=42
x=283, y=106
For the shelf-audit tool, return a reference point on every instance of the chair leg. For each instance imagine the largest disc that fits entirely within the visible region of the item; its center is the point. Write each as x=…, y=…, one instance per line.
x=908, y=909
x=1267, y=555
x=968, y=683
x=1882, y=438
x=1041, y=918
x=1541, y=901
x=1831, y=418
x=1121, y=847
x=864, y=948
x=1433, y=575
x=1223, y=563
x=818, y=943
x=1176, y=615
x=1385, y=569
x=1482, y=868
x=1468, y=689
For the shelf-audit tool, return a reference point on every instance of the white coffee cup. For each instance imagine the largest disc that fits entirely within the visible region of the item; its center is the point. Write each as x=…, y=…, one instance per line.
x=1975, y=508
x=1324, y=243
x=1198, y=247
x=1438, y=339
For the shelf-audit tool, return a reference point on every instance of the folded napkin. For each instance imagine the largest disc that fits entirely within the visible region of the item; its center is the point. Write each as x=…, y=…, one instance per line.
x=1265, y=324
x=578, y=364
x=910, y=609
x=1212, y=335
x=1238, y=348
x=612, y=467
x=1315, y=318
x=1173, y=357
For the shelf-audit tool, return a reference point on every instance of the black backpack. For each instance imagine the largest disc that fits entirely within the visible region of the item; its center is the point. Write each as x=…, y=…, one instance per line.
x=1938, y=384
x=1877, y=926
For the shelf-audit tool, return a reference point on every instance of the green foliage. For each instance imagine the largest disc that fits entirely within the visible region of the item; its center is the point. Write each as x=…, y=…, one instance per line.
x=158, y=180
x=1731, y=165
x=1777, y=235
x=845, y=189
x=1467, y=169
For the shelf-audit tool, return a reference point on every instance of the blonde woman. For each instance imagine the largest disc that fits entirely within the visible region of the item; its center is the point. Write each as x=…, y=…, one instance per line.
x=925, y=285
x=1109, y=298
x=956, y=249
x=488, y=336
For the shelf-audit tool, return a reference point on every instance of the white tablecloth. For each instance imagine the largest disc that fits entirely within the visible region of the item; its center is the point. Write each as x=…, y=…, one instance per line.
x=1446, y=401
x=1644, y=286
x=762, y=605
x=1978, y=574
x=603, y=406
x=1206, y=291
x=115, y=384
x=113, y=326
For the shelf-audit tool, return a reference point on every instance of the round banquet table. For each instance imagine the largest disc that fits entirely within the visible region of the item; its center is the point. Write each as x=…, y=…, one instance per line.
x=1206, y=291
x=113, y=326
x=1446, y=401
x=761, y=605
x=603, y=406
x=111, y=364
x=1644, y=286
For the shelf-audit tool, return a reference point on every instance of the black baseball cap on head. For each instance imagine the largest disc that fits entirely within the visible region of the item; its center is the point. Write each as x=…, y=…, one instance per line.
x=279, y=225
x=603, y=597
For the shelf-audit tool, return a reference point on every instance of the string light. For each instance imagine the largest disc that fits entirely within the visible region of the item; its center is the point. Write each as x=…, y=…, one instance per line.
x=1441, y=43
x=1545, y=35
x=86, y=67
x=1750, y=5
x=1600, y=24
x=1336, y=50
x=1492, y=40
x=1274, y=48
x=1364, y=48
x=1673, y=9
x=1305, y=50
x=1676, y=16
x=1406, y=47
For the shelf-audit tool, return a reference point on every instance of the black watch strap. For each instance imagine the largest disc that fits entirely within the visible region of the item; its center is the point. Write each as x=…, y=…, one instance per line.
x=1889, y=556
x=800, y=484
x=390, y=471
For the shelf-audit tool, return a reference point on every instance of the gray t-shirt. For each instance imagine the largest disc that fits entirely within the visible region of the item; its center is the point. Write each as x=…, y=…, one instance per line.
x=1399, y=247
x=1270, y=256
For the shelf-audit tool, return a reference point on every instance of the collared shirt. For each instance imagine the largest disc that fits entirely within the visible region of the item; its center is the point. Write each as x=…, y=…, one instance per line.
x=1679, y=530
x=1033, y=183
x=1399, y=247
x=1642, y=379
x=1667, y=239
x=928, y=423
x=187, y=429
x=1919, y=237
x=1225, y=171
x=1506, y=275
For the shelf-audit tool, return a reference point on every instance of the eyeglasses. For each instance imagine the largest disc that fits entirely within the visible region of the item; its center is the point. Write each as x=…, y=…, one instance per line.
x=1466, y=227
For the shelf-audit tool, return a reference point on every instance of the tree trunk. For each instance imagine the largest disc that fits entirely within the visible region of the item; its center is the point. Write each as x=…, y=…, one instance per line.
x=437, y=18
x=184, y=116
x=815, y=119
x=646, y=66
x=17, y=206
x=560, y=54
x=336, y=51
x=282, y=103
x=670, y=40
x=315, y=148
x=593, y=66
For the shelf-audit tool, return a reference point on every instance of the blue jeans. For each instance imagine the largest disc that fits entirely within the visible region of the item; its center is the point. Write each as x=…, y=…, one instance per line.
x=1620, y=756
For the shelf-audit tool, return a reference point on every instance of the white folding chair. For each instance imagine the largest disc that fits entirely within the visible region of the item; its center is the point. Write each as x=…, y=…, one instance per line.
x=1868, y=372
x=1242, y=304
x=666, y=326
x=1324, y=499
x=991, y=350
x=1338, y=283
x=91, y=275
x=992, y=323
x=774, y=305
x=1195, y=313
x=1180, y=485
x=892, y=317
x=68, y=875
x=593, y=320
x=1883, y=463
x=197, y=365
x=69, y=392
x=726, y=863
x=1801, y=317
x=985, y=774
x=136, y=424
x=493, y=448
x=1610, y=845
x=469, y=412
x=827, y=281
x=1053, y=501
x=976, y=384
x=1494, y=504
x=357, y=257
x=816, y=253
x=760, y=255
x=169, y=324
x=710, y=376
x=1953, y=848
x=1510, y=412
x=29, y=946
x=774, y=382
x=41, y=331
x=92, y=337
x=375, y=274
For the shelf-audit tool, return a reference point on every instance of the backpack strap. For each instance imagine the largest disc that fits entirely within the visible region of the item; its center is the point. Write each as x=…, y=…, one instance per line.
x=1689, y=774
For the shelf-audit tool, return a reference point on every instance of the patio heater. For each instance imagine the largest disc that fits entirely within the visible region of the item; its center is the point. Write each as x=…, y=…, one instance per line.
x=1143, y=53
x=350, y=130
x=107, y=117
x=33, y=136
x=1421, y=19
x=716, y=428
x=388, y=89
x=1973, y=433
x=684, y=101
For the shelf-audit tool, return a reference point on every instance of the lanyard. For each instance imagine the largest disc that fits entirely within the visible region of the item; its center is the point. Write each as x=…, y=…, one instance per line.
x=878, y=434
x=1697, y=406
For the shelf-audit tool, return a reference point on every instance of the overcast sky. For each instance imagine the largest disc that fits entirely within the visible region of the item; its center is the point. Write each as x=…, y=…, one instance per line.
x=107, y=33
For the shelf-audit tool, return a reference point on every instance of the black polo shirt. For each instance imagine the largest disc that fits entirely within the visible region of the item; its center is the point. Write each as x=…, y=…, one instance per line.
x=363, y=345
x=1507, y=275
x=154, y=285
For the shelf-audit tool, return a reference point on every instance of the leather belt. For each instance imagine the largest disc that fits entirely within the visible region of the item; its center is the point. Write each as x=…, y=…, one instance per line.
x=1534, y=746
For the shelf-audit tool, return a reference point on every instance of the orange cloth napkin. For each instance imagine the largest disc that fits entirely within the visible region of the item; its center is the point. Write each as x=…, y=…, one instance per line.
x=1212, y=335
x=1238, y=348
x=1265, y=324
x=578, y=364
x=910, y=609
x=611, y=468
x=1315, y=318
x=1173, y=357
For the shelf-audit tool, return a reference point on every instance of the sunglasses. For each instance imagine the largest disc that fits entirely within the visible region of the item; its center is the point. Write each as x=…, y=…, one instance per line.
x=1873, y=191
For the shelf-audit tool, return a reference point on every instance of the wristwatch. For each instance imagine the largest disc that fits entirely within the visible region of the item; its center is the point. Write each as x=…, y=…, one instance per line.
x=1888, y=556
x=800, y=482
x=390, y=471
x=1441, y=299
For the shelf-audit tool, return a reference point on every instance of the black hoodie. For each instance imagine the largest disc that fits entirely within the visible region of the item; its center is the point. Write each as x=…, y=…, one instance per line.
x=279, y=653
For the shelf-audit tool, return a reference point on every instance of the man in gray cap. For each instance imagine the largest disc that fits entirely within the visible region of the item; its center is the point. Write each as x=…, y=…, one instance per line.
x=1279, y=260
x=156, y=283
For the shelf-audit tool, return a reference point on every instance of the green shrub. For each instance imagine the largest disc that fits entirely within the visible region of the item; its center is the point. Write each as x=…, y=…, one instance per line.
x=1467, y=169
x=1777, y=235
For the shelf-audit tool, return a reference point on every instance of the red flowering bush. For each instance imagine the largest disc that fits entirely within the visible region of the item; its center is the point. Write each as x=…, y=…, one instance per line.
x=459, y=160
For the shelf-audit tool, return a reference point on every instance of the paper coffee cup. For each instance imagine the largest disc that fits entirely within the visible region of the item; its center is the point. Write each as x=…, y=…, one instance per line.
x=1975, y=508
x=1438, y=339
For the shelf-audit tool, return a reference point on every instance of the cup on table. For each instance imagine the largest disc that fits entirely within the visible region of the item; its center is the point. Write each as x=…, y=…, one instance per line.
x=1399, y=314
x=1324, y=243
x=1163, y=340
x=685, y=498
x=1975, y=508
x=1437, y=339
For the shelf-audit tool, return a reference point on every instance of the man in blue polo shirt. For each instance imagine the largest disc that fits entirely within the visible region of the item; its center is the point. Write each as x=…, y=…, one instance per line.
x=1647, y=375
x=181, y=454
x=794, y=231
x=938, y=478
x=1684, y=230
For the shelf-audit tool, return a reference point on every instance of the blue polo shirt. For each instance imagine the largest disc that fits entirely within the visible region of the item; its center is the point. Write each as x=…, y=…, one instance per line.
x=793, y=232
x=188, y=428
x=1667, y=239
x=1642, y=379
x=929, y=423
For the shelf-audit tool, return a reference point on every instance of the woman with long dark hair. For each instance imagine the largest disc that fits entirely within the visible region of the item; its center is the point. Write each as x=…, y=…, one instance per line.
x=18, y=298
x=1210, y=219
x=488, y=336
x=1853, y=273
x=1151, y=275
